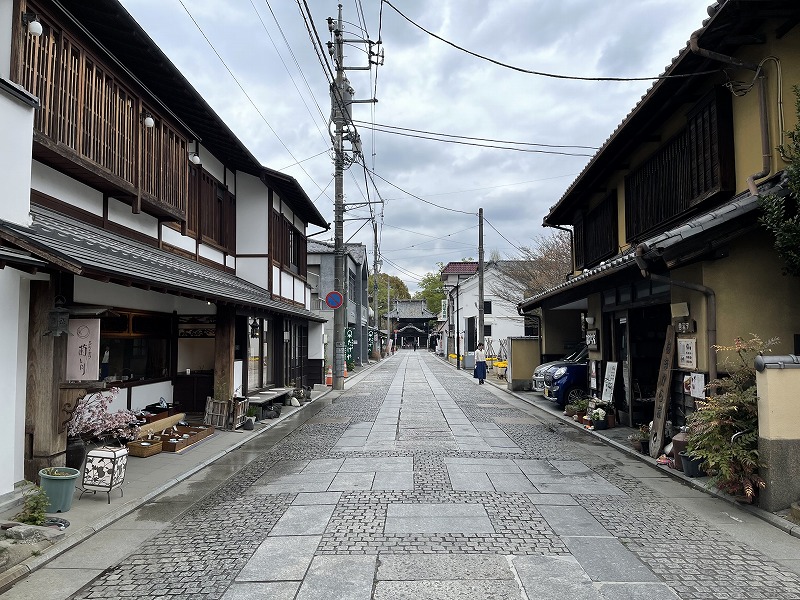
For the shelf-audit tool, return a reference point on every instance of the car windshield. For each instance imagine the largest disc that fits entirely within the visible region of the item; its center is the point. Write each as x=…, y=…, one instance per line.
x=579, y=354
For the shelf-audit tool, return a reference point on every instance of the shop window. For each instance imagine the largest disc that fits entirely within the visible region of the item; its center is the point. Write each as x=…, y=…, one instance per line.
x=138, y=346
x=260, y=367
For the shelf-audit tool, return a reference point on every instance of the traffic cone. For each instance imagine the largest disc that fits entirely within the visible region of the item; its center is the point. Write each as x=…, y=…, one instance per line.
x=345, y=369
x=329, y=376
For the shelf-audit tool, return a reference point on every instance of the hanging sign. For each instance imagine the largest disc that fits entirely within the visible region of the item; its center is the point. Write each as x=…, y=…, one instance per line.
x=83, y=350
x=334, y=299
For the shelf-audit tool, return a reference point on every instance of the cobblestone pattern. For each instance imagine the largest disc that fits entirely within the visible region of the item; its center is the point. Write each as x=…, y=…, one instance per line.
x=697, y=560
x=356, y=526
x=208, y=545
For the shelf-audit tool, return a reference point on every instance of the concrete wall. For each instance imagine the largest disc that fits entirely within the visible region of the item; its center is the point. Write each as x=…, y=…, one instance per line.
x=779, y=437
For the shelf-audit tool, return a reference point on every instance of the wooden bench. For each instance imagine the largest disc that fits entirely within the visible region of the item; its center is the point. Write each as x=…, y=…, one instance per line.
x=261, y=399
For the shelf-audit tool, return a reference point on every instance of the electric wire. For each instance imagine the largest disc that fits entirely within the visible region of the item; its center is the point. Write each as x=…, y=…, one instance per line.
x=494, y=147
x=542, y=73
x=296, y=63
x=249, y=98
x=478, y=139
x=464, y=212
x=513, y=245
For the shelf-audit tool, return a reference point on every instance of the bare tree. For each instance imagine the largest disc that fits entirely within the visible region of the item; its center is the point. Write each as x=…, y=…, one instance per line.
x=537, y=268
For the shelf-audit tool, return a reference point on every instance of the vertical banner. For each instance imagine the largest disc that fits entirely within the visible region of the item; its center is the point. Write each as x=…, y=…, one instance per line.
x=348, y=344
x=83, y=350
x=609, y=382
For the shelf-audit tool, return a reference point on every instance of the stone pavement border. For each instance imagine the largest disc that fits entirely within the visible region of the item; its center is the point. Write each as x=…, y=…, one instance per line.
x=771, y=518
x=159, y=486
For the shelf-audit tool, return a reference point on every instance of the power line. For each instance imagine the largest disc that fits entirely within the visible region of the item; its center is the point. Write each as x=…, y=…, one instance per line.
x=542, y=73
x=230, y=72
x=513, y=245
x=433, y=139
x=464, y=137
x=463, y=212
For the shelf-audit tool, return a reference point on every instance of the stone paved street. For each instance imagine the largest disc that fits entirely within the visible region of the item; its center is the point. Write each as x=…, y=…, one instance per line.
x=417, y=483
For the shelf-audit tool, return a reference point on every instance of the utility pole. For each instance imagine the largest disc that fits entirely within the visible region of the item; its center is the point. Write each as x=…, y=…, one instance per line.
x=480, y=275
x=341, y=107
x=376, y=349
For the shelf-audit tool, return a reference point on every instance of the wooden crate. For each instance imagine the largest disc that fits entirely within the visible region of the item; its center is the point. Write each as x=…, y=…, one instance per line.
x=144, y=448
x=216, y=413
x=195, y=435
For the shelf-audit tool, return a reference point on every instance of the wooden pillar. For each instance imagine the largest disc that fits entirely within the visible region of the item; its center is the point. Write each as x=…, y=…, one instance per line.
x=44, y=443
x=225, y=338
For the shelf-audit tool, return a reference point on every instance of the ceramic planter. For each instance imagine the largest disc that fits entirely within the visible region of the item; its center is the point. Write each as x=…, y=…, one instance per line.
x=691, y=465
x=59, y=487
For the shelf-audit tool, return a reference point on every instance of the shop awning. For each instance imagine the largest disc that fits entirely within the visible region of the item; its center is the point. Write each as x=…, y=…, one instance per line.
x=83, y=249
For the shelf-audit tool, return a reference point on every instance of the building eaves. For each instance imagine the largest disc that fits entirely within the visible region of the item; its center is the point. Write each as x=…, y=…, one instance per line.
x=83, y=249
x=698, y=229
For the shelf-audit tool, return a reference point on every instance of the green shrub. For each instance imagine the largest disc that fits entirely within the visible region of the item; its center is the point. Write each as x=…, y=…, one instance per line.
x=731, y=411
x=35, y=502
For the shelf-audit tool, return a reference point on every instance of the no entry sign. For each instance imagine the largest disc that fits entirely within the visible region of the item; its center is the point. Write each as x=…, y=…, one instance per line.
x=334, y=299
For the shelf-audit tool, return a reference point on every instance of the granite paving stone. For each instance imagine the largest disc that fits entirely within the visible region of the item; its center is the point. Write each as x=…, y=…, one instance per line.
x=482, y=495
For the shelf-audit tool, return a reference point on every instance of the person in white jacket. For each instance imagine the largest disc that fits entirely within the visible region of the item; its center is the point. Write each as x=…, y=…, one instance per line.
x=480, y=364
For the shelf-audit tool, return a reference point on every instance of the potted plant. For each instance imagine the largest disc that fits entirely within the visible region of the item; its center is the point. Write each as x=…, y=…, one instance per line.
x=91, y=418
x=599, y=418
x=570, y=410
x=581, y=406
x=250, y=418
x=723, y=431
x=58, y=483
x=640, y=439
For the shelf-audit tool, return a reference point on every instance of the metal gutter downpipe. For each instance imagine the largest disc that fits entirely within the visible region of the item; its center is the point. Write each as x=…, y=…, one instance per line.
x=766, y=151
x=711, y=306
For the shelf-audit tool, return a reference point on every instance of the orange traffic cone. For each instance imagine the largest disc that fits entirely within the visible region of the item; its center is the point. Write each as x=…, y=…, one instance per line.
x=345, y=369
x=329, y=377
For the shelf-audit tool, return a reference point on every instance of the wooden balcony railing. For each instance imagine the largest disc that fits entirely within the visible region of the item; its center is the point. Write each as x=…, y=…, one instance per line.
x=87, y=108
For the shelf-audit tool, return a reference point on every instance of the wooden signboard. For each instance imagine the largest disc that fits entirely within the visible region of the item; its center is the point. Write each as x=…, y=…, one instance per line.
x=609, y=382
x=662, y=394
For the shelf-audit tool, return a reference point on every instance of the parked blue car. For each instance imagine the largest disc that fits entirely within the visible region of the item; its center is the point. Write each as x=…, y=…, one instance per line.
x=565, y=382
x=580, y=354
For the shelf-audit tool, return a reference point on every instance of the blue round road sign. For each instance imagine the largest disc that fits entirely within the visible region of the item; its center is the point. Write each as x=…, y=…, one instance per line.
x=334, y=299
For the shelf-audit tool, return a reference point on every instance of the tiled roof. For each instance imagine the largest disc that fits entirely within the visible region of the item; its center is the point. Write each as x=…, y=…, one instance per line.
x=358, y=252
x=88, y=250
x=460, y=268
x=411, y=309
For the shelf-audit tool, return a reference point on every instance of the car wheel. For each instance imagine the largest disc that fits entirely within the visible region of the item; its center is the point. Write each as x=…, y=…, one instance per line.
x=573, y=394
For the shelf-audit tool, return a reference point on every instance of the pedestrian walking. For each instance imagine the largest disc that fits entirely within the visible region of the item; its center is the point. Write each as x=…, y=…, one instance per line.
x=480, y=364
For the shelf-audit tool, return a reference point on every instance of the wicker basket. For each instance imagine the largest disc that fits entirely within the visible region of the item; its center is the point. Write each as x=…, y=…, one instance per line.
x=144, y=448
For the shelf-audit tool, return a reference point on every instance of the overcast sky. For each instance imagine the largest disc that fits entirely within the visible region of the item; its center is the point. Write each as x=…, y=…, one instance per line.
x=280, y=106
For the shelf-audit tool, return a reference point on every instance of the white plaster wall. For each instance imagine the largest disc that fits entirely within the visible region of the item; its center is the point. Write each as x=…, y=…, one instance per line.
x=276, y=281
x=12, y=400
x=238, y=373
x=55, y=184
x=120, y=213
x=6, y=16
x=287, y=285
x=212, y=165
x=211, y=254
x=316, y=348
x=254, y=270
x=22, y=375
x=230, y=261
x=252, y=216
x=300, y=291
x=142, y=395
x=16, y=132
x=110, y=294
x=174, y=238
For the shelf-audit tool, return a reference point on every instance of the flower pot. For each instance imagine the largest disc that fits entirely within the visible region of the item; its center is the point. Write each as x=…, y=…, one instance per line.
x=603, y=424
x=611, y=419
x=691, y=465
x=249, y=423
x=645, y=446
x=679, y=443
x=569, y=410
x=59, y=488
